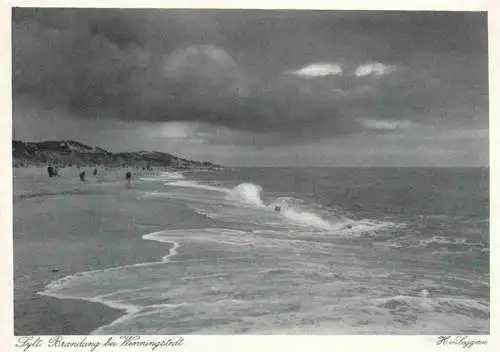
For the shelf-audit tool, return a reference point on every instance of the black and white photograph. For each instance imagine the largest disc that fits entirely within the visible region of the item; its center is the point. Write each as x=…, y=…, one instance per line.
x=250, y=172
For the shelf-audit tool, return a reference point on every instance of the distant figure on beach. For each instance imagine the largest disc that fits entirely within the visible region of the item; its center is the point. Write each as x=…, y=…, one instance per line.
x=128, y=177
x=82, y=176
x=50, y=171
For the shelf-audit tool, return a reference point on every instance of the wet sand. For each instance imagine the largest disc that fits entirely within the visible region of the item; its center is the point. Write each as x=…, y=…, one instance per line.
x=58, y=232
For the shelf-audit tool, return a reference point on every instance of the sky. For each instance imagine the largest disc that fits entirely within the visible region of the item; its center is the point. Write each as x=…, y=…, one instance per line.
x=257, y=87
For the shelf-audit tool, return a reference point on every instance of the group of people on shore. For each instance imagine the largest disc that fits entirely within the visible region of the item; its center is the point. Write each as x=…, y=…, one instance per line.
x=82, y=174
x=53, y=172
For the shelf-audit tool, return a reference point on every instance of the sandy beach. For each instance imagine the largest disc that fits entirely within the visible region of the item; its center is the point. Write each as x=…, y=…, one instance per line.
x=261, y=171
x=63, y=227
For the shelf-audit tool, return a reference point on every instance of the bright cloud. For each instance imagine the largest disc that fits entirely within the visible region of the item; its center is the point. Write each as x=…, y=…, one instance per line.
x=319, y=69
x=175, y=130
x=374, y=68
x=195, y=55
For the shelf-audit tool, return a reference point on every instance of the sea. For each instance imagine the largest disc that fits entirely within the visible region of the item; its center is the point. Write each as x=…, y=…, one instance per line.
x=306, y=251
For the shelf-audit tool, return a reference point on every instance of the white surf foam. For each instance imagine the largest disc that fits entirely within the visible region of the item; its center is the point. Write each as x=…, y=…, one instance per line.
x=247, y=193
x=197, y=185
x=292, y=211
x=173, y=175
x=164, y=176
x=310, y=220
x=210, y=286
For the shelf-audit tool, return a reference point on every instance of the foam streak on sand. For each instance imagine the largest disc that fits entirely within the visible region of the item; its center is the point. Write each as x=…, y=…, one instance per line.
x=130, y=309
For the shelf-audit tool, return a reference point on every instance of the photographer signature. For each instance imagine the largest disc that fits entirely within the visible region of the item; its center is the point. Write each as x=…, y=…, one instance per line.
x=464, y=341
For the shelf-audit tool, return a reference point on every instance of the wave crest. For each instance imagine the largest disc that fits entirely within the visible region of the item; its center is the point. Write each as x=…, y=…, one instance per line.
x=248, y=193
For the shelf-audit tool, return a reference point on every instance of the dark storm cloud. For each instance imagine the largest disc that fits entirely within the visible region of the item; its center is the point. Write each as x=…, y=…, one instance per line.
x=232, y=68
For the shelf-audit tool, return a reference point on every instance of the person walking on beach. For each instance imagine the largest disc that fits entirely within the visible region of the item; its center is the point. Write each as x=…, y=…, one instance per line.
x=50, y=171
x=128, y=177
x=95, y=172
x=82, y=176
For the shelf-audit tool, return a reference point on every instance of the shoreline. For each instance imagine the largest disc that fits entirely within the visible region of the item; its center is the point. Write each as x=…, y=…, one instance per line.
x=73, y=316
x=63, y=234
x=116, y=310
x=79, y=317
x=172, y=251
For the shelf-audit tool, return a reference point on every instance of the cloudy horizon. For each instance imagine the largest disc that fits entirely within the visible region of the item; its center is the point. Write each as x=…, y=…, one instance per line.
x=255, y=87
